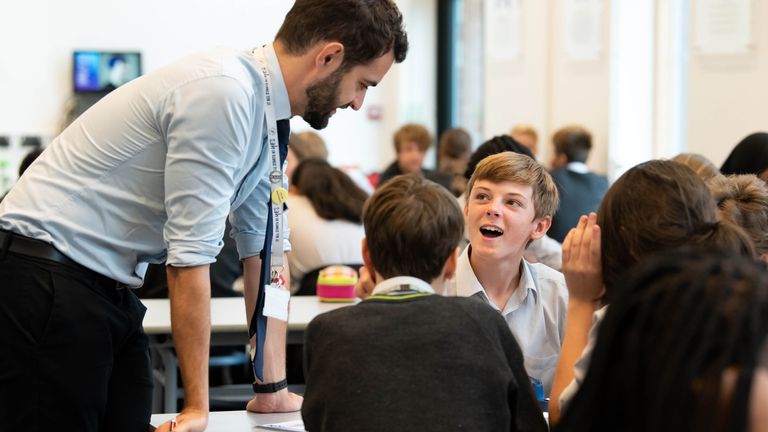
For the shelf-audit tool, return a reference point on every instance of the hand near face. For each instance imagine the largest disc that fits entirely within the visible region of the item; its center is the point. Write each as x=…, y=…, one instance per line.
x=582, y=264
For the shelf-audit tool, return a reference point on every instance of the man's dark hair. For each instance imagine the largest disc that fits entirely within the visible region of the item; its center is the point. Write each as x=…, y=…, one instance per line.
x=412, y=226
x=368, y=29
x=574, y=142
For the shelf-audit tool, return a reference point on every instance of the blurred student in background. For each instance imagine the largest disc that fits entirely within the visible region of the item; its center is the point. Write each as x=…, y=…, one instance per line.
x=580, y=189
x=411, y=144
x=304, y=145
x=325, y=222
x=454, y=150
x=750, y=156
x=526, y=135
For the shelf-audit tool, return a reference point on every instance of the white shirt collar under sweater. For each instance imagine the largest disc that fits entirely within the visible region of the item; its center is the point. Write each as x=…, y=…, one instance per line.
x=402, y=285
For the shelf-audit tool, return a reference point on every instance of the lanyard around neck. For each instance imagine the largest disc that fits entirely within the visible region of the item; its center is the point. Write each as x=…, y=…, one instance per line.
x=278, y=192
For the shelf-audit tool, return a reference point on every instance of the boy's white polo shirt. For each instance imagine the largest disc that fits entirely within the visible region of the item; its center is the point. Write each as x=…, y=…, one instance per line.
x=535, y=313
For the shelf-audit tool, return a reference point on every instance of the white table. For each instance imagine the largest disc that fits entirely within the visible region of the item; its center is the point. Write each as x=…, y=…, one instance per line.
x=234, y=421
x=228, y=327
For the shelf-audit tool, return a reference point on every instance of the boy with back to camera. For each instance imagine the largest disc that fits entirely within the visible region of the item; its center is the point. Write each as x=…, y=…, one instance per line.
x=406, y=358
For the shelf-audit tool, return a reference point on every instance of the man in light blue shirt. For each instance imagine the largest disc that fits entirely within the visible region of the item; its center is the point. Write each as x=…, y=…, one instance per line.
x=147, y=175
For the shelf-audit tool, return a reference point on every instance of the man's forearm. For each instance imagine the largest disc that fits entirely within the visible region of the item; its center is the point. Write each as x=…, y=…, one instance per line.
x=190, y=294
x=274, y=346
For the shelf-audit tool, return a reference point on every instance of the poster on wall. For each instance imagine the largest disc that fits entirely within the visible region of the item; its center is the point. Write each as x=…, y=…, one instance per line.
x=582, y=25
x=503, y=30
x=723, y=26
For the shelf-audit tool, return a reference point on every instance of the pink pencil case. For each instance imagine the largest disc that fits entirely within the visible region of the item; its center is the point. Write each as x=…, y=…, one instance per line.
x=336, y=284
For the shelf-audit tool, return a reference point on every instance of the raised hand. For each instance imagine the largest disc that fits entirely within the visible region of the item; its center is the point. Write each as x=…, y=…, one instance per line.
x=582, y=265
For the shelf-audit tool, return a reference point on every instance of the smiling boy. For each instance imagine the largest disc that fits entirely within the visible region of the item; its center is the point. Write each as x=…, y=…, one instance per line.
x=510, y=203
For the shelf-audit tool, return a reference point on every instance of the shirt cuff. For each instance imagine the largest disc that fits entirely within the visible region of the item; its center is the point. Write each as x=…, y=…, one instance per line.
x=251, y=244
x=190, y=254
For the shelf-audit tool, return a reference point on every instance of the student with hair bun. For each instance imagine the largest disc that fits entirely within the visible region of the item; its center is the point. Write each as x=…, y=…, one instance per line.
x=655, y=206
x=743, y=200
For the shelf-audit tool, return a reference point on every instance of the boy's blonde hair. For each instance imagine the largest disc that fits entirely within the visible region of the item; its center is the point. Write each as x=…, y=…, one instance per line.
x=521, y=169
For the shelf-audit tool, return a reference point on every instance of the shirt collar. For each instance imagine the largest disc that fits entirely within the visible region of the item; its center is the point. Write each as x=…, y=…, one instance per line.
x=282, y=103
x=468, y=285
x=391, y=286
x=578, y=167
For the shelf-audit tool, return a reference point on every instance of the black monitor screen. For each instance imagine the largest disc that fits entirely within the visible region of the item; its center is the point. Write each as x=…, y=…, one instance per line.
x=102, y=72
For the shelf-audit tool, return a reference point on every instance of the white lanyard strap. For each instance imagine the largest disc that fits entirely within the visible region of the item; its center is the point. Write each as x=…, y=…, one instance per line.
x=278, y=192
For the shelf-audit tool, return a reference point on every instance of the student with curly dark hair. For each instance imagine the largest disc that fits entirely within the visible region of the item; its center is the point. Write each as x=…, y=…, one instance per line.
x=683, y=347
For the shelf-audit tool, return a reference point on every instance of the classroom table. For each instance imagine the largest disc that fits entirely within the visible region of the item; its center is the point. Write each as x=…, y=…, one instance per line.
x=228, y=327
x=235, y=421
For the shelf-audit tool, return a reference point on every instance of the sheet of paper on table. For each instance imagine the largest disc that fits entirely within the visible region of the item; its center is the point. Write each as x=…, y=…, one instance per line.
x=293, y=426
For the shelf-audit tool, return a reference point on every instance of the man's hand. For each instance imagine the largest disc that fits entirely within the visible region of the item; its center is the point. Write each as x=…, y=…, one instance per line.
x=365, y=285
x=281, y=401
x=189, y=420
x=582, y=265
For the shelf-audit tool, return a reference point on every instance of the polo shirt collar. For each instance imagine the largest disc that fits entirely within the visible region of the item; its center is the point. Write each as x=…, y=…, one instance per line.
x=405, y=284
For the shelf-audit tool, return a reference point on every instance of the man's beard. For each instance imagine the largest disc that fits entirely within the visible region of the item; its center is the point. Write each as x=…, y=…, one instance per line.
x=322, y=99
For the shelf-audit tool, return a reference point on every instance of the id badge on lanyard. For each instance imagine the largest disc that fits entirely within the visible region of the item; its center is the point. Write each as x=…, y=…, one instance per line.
x=276, y=295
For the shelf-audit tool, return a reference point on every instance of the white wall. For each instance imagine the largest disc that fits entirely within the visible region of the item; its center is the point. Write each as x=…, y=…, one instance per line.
x=728, y=94
x=699, y=103
x=542, y=87
x=37, y=38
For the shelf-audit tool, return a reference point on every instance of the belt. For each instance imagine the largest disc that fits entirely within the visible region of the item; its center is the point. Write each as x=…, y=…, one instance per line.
x=19, y=244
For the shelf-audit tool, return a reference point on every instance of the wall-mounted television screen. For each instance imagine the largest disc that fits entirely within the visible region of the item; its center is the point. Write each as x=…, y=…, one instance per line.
x=102, y=71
